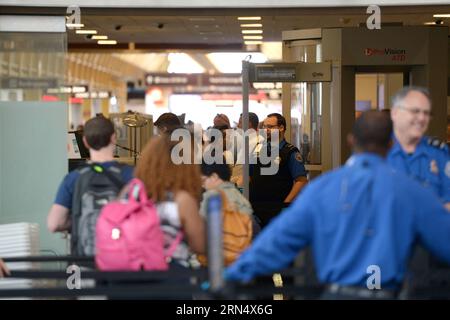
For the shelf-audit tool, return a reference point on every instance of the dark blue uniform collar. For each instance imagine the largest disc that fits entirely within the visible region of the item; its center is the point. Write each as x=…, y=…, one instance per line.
x=365, y=157
x=420, y=149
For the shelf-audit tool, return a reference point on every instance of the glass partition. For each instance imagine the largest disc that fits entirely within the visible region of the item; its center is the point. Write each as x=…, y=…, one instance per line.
x=306, y=106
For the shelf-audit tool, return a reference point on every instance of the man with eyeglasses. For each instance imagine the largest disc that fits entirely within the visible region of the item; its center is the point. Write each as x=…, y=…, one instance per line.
x=269, y=194
x=425, y=159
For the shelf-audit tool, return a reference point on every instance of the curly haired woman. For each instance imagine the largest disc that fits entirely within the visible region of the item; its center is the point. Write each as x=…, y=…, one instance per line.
x=176, y=189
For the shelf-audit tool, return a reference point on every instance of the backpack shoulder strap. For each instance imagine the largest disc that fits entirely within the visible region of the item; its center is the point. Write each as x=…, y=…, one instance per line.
x=112, y=173
x=173, y=246
x=225, y=202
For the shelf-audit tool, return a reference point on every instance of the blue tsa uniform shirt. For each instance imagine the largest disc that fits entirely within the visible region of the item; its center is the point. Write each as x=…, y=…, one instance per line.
x=429, y=165
x=360, y=215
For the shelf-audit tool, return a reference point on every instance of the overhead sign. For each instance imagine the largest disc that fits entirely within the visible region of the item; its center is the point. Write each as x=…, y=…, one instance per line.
x=201, y=79
x=290, y=72
x=168, y=79
x=69, y=89
x=28, y=83
x=391, y=46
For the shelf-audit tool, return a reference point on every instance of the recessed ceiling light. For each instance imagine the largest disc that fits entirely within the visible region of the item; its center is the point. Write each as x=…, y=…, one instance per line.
x=99, y=37
x=434, y=23
x=86, y=31
x=441, y=15
x=107, y=42
x=251, y=25
x=253, y=42
x=252, y=37
x=249, y=18
x=252, y=31
x=74, y=25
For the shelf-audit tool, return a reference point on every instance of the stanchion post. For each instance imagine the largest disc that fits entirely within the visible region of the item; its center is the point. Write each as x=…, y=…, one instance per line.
x=215, y=243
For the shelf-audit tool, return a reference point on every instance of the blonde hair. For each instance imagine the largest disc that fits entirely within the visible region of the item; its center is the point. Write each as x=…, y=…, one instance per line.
x=160, y=175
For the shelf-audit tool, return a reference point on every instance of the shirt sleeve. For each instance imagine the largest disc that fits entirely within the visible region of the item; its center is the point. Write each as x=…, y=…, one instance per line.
x=128, y=174
x=445, y=176
x=65, y=191
x=296, y=166
x=433, y=225
x=278, y=244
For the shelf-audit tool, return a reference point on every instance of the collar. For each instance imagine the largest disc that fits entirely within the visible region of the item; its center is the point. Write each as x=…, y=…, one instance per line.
x=420, y=148
x=364, y=158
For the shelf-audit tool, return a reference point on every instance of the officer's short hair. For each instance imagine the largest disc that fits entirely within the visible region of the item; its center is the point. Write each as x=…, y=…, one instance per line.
x=222, y=170
x=281, y=121
x=398, y=97
x=98, y=132
x=373, y=129
x=252, y=119
x=168, y=120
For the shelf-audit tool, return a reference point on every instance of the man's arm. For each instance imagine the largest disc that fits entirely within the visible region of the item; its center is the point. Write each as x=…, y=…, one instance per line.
x=433, y=225
x=278, y=244
x=3, y=269
x=58, y=218
x=298, y=173
x=299, y=183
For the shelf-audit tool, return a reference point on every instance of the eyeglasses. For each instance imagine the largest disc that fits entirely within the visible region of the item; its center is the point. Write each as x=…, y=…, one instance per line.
x=268, y=126
x=416, y=111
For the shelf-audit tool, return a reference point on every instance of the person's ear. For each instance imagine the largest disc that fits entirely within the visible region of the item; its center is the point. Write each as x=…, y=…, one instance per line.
x=393, y=113
x=114, y=139
x=351, y=140
x=86, y=144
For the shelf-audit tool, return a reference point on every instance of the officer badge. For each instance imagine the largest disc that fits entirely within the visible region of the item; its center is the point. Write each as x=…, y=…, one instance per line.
x=433, y=167
x=298, y=157
x=447, y=169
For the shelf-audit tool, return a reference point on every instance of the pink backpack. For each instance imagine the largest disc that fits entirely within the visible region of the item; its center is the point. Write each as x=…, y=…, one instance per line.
x=129, y=235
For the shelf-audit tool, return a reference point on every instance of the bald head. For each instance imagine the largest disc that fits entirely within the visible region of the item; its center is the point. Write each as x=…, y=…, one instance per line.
x=372, y=132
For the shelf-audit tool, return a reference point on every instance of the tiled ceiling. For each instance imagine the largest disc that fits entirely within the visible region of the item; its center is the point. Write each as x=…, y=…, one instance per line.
x=206, y=28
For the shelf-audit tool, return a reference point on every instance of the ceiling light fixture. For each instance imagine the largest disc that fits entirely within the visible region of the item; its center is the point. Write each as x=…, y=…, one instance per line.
x=441, y=15
x=86, y=31
x=251, y=25
x=434, y=23
x=99, y=37
x=107, y=42
x=252, y=31
x=252, y=37
x=74, y=25
x=249, y=18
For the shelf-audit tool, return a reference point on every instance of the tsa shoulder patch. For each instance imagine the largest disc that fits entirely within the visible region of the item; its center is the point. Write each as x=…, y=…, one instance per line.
x=298, y=157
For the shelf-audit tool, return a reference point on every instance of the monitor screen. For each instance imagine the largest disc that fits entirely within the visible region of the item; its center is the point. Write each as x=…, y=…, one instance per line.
x=75, y=146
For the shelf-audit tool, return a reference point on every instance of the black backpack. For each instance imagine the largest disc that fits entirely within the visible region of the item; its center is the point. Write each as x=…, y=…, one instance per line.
x=95, y=187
